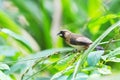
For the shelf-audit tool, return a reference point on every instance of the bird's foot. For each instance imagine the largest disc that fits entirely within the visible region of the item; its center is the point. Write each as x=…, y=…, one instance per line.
x=75, y=51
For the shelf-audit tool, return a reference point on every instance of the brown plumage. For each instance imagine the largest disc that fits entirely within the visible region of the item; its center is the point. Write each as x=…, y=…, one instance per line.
x=75, y=40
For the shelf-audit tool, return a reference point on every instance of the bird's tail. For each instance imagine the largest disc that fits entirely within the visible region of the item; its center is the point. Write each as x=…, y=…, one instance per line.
x=99, y=48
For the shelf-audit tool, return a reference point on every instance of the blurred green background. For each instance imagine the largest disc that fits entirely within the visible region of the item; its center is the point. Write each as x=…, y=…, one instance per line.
x=28, y=27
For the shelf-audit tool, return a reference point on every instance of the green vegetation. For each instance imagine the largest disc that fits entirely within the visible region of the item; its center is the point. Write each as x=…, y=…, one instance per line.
x=31, y=50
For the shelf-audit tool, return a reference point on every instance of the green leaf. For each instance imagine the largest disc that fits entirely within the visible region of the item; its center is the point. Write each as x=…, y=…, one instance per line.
x=4, y=66
x=111, y=55
x=95, y=43
x=104, y=57
x=115, y=52
x=7, y=51
x=40, y=28
x=80, y=76
x=48, y=52
x=97, y=23
x=7, y=22
x=94, y=76
x=94, y=57
x=17, y=37
x=90, y=68
x=114, y=59
x=27, y=62
x=104, y=70
x=59, y=74
x=64, y=62
x=63, y=78
x=17, y=68
x=42, y=78
x=94, y=7
x=4, y=76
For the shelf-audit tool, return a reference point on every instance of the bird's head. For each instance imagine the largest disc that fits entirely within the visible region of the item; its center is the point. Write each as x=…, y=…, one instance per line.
x=64, y=33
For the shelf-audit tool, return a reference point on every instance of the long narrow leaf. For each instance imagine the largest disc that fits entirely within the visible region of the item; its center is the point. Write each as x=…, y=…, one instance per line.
x=96, y=42
x=18, y=38
x=7, y=22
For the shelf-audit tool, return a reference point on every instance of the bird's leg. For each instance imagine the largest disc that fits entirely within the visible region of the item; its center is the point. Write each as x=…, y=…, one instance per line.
x=75, y=51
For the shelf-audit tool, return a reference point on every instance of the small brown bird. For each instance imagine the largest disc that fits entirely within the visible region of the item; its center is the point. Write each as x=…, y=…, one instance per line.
x=77, y=41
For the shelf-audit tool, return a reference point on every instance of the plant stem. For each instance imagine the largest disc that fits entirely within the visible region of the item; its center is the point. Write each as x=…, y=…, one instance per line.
x=108, y=41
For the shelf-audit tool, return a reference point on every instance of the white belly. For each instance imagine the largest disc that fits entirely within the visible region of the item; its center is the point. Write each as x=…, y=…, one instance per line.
x=78, y=47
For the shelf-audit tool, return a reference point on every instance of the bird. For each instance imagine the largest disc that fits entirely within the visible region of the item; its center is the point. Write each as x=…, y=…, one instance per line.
x=76, y=41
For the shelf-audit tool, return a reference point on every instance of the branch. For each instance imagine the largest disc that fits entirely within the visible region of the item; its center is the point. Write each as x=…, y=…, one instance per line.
x=113, y=41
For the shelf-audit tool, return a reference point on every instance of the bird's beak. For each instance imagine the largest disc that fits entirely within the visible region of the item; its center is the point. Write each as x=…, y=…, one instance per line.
x=58, y=34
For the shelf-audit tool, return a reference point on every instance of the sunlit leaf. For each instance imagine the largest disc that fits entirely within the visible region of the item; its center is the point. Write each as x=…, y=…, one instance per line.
x=4, y=66
x=7, y=22
x=104, y=70
x=4, y=76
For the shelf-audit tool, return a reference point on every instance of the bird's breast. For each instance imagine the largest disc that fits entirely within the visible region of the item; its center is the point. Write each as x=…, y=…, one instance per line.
x=78, y=47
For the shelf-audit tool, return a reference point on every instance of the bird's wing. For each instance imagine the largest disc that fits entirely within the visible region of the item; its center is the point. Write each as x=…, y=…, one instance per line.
x=80, y=40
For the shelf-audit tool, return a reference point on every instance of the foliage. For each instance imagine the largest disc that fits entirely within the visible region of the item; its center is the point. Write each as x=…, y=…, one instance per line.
x=30, y=49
